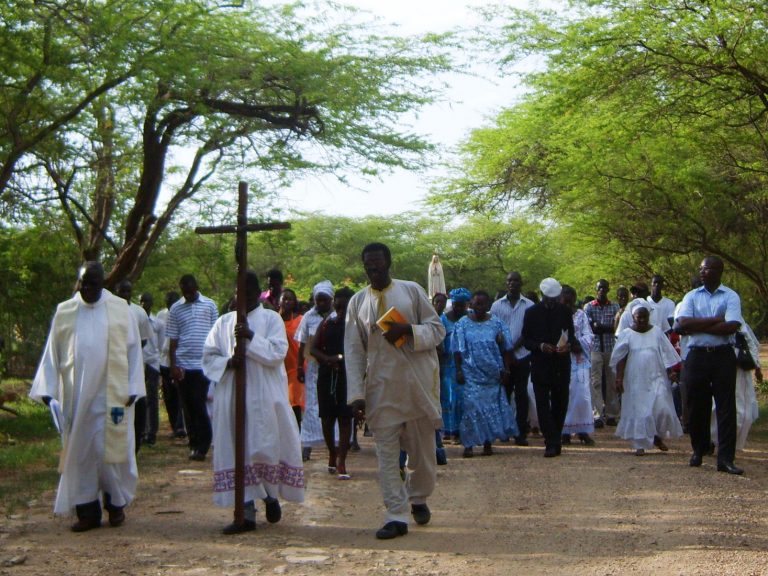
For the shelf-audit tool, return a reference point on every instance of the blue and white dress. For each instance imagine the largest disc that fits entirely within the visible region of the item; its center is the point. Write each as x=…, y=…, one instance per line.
x=451, y=392
x=487, y=413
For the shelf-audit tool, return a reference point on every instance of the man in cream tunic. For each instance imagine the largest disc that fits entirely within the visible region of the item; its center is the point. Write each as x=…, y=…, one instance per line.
x=273, y=466
x=397, y=388
x=92, y=366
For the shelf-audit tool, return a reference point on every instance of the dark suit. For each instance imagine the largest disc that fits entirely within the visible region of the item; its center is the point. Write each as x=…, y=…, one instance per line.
x=550, y=373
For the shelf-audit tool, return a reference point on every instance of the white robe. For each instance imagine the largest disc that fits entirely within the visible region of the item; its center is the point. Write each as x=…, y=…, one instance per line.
x=84, y=474
x=398, y=384
x=647, y=407
x=311, y=426
x=579, y=418
x=747, y=409
x=625, y=321
x=273, y=464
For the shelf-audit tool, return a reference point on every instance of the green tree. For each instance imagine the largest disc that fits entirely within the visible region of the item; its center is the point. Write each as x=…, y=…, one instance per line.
x=118, y=113
x=643, y=131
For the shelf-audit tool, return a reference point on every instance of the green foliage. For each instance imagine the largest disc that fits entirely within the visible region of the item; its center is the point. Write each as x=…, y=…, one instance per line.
x=108, y=104
x=642, y=134
x=29, y=447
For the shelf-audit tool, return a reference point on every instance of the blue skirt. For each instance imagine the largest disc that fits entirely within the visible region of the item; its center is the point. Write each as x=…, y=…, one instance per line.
x=487, y=416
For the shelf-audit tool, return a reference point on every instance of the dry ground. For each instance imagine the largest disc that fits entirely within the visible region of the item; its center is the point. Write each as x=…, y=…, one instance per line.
x=596, y=511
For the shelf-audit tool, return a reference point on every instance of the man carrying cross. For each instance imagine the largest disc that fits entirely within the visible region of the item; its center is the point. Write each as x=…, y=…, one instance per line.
x=273, y=466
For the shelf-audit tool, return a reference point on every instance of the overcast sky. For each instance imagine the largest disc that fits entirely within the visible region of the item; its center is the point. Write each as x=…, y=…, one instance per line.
x=471, y=102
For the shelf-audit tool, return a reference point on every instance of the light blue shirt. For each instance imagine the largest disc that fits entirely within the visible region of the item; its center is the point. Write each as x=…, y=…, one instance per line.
x=513, y=316
x=700, y=303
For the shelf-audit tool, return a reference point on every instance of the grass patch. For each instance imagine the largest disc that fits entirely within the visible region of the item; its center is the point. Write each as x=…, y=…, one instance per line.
x=759, y=430
x=29, y=449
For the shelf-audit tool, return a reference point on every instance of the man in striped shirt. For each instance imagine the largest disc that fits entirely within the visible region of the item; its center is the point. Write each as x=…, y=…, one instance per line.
x=511, y=310
x=189, y=321
x=601, y=313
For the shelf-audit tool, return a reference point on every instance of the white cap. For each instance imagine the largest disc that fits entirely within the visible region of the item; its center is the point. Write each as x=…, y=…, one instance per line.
x=550, y=288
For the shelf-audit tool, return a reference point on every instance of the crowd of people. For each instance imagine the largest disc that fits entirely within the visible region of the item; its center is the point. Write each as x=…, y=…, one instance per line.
x=462, y=368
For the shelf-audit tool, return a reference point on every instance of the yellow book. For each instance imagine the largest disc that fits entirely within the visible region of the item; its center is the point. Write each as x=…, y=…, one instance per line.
x=392, y=315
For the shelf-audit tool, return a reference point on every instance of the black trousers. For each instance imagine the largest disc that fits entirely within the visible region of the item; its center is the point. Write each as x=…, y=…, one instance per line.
x=517, y=383
x=152, y=383
x=139, y=421
x=193, y=390
x=171, y=400
x=711, y=372
x=550, y=388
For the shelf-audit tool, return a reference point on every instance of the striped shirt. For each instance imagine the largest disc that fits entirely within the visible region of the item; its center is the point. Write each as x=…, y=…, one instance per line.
x=189, y=324
x=513, y=317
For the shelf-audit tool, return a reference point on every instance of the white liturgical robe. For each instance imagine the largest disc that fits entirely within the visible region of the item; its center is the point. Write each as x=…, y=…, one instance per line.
x=273, y=465
x=75, y=371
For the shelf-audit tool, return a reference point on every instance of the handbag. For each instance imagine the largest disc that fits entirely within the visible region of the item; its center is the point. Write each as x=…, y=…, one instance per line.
x=744, y=359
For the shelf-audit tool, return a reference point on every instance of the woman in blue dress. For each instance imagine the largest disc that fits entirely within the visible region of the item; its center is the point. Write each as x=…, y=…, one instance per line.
x=450, y=390
x=481, y=346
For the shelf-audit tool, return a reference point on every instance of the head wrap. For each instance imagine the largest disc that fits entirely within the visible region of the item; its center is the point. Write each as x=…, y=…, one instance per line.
x=550, y=288
x=460, y=295
x=640, y=303
x=324, y=287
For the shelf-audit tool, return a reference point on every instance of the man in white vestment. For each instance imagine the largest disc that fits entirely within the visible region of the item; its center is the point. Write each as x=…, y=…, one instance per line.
x=91, y=373
x=395, y=384
x=273, y=466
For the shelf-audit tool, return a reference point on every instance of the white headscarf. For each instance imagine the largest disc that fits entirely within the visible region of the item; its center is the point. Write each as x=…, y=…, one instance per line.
x=324, y=287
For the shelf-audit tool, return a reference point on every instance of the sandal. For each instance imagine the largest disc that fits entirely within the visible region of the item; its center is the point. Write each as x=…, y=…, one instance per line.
x=659, y=443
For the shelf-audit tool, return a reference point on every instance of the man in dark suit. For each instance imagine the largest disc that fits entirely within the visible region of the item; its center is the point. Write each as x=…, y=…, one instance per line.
x=548, y=334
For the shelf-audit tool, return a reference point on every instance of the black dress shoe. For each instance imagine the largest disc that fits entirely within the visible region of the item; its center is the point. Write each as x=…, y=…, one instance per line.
x=521, y=441
x=730, y=468
x=421, y=514
x=273, y=511
x=550, y=453
x=85, y=524
x=116, y=516
x=695, y=460
x=611, y=422
x=391, y=530
x=246, y=526
x=197, y=456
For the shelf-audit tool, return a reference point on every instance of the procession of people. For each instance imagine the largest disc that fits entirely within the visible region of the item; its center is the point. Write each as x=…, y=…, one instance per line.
x=419, y=369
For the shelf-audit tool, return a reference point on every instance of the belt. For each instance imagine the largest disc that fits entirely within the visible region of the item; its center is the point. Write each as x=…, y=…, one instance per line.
x=711, y=349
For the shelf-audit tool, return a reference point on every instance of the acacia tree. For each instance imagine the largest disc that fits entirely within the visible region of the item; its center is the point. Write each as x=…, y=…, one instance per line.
x=103, y=100
x=644, y=126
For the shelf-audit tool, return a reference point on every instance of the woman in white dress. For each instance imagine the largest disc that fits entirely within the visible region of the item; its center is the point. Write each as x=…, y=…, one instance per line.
x=643, y=358
x=746, y=400
x=579, y=419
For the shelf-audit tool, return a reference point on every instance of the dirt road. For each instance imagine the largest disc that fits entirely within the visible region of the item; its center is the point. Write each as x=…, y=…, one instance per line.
x=596, y=511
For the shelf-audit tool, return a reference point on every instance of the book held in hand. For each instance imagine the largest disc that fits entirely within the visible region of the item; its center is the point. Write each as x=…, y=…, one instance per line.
x=392, y=315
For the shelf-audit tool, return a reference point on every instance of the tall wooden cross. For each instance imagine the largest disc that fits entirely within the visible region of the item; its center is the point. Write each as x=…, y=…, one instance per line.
x=241, y=229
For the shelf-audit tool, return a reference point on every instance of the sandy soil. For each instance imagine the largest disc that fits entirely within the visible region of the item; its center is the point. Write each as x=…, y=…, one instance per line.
x=597, y=511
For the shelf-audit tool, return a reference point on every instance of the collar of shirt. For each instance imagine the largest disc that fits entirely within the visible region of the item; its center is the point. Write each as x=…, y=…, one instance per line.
x=596, y=302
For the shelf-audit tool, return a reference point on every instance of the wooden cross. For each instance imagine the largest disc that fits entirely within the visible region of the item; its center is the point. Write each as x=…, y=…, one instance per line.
x=241, y=229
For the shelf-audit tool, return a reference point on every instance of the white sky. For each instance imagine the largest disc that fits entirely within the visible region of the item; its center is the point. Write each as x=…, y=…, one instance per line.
x=471, y=102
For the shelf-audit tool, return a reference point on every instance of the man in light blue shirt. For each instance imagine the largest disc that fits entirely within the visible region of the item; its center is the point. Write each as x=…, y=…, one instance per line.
x=710, y=315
